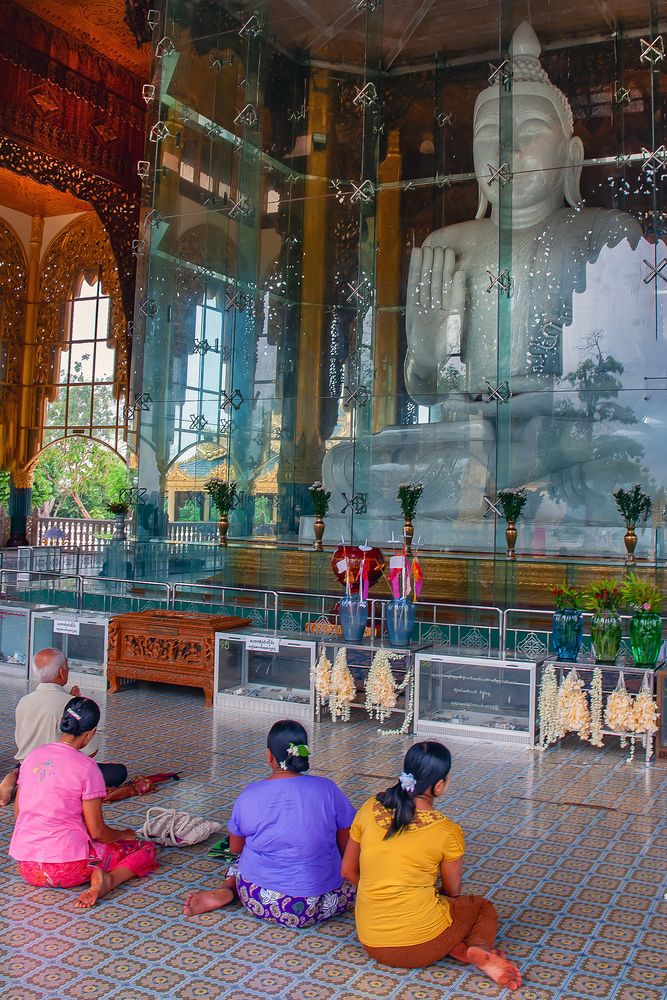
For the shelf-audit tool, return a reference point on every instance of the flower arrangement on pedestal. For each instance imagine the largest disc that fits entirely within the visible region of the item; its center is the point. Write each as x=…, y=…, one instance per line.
x=409, y=495
x=633, y=505
x=512, y=502
x=320, y=498
x=645, y=600
x=119, y=509
x=225, y=497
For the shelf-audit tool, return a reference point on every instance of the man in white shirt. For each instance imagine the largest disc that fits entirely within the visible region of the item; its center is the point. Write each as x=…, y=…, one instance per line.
x=38, y=716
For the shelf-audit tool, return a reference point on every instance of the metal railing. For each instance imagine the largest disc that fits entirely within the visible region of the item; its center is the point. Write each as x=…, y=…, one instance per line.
x=118, y=595
x=230, y=600
x=44, y=588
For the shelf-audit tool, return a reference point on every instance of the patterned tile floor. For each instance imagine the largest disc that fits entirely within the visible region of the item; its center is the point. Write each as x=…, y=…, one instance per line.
x=569, y=845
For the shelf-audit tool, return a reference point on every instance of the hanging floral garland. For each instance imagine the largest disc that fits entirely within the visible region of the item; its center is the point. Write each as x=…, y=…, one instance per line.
x=619, y=713
x=596, y=709
x=343, y=689
x=646, y=716
x=322, y=681
x=409, y=710
x=381, y=688
x=548, y=707
x=573, y=713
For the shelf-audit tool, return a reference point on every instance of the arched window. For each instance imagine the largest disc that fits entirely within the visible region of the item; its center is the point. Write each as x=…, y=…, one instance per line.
x=85, y=402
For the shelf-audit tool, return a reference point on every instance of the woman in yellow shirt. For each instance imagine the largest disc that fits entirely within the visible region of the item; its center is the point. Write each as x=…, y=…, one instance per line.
x=398, y=845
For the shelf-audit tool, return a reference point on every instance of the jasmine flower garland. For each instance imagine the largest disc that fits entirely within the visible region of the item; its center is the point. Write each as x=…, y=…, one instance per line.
x=573, y=712
x=381, y=689
x=322, y=681
x=548, y=707
x=342, y=687
x=596, y=709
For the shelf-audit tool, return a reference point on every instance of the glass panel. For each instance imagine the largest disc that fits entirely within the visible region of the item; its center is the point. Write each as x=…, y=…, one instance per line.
x=466, y=694
x=13, y=637
x=387, y=265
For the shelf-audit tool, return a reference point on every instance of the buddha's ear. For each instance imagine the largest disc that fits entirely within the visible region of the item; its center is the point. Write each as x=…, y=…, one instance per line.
x=482, y=203
x=575, y=159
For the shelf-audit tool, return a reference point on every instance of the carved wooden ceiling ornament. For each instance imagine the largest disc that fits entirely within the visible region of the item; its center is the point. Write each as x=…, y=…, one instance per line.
x=118, y=210
x=83, y=247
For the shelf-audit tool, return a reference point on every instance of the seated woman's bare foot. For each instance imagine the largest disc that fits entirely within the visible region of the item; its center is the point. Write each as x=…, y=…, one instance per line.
x=100, y=884
x=498, y=968
x=7, y=786
x=204, y=902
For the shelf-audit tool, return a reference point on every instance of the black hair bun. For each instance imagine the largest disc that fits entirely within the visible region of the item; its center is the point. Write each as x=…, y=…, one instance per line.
x=80, y=716
x=297, y=764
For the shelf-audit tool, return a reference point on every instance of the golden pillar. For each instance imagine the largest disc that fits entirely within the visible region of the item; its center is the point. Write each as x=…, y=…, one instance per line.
x=313, y=282
x=388, y=276
x=28, y=435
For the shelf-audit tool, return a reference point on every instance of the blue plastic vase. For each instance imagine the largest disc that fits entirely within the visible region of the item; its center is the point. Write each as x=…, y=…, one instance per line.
x=353, y=615
x=400, y=618
x=567, y=633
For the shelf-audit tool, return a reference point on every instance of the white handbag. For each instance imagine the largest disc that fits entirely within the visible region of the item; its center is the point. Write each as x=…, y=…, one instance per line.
x=171, y=828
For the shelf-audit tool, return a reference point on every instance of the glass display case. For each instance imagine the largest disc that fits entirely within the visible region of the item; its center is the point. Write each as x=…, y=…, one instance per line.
x=15, y=636
x=475, y=697
x=359, y=660
x=83, y=638
x=265, y=671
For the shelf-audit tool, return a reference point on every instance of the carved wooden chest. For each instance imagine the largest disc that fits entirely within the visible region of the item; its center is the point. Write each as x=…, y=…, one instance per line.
x=173, y=647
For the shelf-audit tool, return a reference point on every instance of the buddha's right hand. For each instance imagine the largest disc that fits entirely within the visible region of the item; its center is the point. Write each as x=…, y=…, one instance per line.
x=434, y=307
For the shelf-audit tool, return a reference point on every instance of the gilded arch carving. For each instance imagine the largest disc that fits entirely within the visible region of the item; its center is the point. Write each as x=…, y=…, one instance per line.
x=13, y=290
x=83, y=246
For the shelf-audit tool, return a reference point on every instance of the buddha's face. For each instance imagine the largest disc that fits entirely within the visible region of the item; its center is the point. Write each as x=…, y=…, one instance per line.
x=539, y=150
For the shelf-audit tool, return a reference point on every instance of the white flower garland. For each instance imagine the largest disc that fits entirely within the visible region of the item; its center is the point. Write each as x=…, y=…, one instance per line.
x=596, y=709
x=381, y=688
x=573, y=712
x=645, y=712
x=343, y=689
x=619, y=714
x=548, y=707
x=322, y=681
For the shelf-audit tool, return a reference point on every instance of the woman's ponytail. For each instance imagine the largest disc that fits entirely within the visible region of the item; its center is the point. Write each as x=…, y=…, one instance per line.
x=424, y=766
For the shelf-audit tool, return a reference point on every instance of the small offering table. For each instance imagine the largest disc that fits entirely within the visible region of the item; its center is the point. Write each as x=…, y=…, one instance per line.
x=172, y=647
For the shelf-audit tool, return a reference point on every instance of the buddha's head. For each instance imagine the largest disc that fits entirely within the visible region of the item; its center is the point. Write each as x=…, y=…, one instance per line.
x=546, y=156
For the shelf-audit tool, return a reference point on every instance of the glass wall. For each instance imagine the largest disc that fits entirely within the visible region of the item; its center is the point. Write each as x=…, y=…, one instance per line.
x=402, y=241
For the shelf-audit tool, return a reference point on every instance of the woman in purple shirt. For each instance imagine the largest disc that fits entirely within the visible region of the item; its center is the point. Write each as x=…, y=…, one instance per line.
x=290, y=831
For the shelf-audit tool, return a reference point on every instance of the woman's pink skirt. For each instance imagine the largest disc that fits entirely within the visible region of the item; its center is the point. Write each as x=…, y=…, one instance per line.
x=137, y=855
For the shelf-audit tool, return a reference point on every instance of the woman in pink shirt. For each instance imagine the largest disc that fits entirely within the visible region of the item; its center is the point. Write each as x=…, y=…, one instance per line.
x=60, y=837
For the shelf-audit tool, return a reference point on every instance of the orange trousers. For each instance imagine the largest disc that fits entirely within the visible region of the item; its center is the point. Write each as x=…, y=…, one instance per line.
x=474, y=922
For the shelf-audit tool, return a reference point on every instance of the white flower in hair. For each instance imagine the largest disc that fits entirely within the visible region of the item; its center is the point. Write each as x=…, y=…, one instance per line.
x=407, y=782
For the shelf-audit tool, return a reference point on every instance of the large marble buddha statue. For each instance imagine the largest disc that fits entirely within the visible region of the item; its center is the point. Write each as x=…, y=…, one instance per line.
x=546, y=244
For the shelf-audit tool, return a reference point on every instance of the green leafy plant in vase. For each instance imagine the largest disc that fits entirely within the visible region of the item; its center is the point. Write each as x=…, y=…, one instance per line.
x=644, y=600
x=512, y=503
x=225, y=497
x=320, y=498
x=634, y=506
x=603, y=598
x=408, y=496
x=567, y=629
